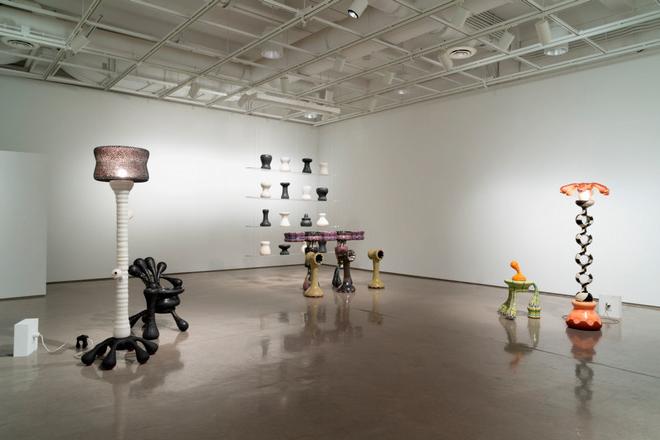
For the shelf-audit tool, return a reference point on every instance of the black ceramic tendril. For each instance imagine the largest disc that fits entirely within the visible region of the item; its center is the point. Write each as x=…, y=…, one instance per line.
x=584, y=259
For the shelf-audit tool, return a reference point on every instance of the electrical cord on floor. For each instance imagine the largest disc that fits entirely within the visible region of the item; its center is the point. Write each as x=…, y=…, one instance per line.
x=43, y=344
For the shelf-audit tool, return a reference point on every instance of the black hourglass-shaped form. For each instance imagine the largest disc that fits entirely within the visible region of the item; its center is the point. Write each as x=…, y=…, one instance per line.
x=307, y=169
x=265, y=221
x=285, y=190
x=322, y=192
x=284, y=249
x=265, y=161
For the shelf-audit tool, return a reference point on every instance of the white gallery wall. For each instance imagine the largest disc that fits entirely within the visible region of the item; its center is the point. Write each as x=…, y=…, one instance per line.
x=23, y=224
x=457, y=188
x=192, y=213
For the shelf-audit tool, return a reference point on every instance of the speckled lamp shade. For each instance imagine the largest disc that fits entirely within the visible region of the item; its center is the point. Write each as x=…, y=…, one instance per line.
x=121, y=163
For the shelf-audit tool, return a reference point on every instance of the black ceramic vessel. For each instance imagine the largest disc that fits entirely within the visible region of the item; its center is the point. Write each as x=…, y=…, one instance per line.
x=306, y=221
x=266, y=159
x=284, y=249
x=307, y=168
x=285, y=190
x=322, y=193
x=265, y=221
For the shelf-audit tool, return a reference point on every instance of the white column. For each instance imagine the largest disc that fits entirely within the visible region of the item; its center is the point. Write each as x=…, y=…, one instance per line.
x=121, y=189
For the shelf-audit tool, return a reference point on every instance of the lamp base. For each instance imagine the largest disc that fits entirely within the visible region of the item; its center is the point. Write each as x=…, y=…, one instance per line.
x=129, y=343
x=584, y=316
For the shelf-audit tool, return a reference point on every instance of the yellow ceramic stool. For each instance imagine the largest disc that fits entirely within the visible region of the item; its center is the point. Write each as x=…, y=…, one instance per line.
x=517, y=284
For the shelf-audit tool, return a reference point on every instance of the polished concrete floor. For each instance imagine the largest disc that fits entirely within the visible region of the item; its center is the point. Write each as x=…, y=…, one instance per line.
x=422, y=359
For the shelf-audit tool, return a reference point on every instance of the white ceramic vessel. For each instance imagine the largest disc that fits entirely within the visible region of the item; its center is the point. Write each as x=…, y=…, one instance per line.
x=302, y=248
x=265, y=190
x=323, y=168
x=307, y=192
x=285, y=219
x=322, y=221
x=285, y=164
x=264, y=248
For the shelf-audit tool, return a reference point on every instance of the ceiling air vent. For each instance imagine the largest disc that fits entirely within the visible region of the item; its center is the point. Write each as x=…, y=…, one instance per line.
x=15, y=43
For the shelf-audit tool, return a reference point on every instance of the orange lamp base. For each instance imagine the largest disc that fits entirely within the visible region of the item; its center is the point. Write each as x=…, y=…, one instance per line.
x=584, y=316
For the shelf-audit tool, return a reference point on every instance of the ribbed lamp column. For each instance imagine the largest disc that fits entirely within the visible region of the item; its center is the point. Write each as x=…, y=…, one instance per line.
x=121, y=167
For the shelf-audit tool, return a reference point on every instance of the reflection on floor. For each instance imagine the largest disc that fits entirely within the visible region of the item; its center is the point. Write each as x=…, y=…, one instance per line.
x=421, y=359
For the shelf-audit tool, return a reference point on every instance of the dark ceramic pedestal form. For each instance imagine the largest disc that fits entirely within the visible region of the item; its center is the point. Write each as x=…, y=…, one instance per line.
x=284, y=249
x=322, y=192
x=285, y=190
x=307, y=168
x=265, y=222
x=306, y=221
x=266, y=159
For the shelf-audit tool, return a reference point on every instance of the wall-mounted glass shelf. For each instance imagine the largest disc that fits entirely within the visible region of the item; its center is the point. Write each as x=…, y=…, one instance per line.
x=286, y=172
x=276, y=254
x=291, y=199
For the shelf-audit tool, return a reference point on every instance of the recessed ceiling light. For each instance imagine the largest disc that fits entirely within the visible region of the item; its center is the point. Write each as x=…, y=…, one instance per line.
x=311, y=116
x=402, y=92
x=461, y=52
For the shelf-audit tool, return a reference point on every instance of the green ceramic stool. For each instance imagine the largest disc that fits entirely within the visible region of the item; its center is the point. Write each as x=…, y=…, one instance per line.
x=508, y=308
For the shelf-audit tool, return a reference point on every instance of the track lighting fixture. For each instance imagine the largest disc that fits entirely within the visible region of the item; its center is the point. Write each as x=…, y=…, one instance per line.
x=269, y=49
x=357, y=8
x=284, y=84
x=388, y=79
x=543, y=32
x=193, y=91
x=505, y=40
x=547, y=33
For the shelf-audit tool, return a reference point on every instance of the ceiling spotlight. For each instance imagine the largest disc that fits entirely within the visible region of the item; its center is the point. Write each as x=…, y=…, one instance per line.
x=311, y=116
x=284, y=84
x=447, y=62
x=193, y=91
x=402, y=92
x=543, y=32
x=357, y=8
x=505, y=40
x=388, y=78
x=547, y=33
x=461, y=52
x=271, y=51
x=460, y=16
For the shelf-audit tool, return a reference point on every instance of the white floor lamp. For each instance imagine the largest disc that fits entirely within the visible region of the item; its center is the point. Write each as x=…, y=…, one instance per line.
x=122, y=167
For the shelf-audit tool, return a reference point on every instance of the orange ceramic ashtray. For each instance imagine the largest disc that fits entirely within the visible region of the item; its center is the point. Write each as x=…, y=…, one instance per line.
x=584, y=316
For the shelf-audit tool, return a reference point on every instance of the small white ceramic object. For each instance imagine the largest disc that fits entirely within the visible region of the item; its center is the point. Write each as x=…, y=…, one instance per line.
x=322, y=221
x=285, y=164
x=323, y=168
x=264, y=248
x=265, y=190
x=285, y=219
x=307, y=192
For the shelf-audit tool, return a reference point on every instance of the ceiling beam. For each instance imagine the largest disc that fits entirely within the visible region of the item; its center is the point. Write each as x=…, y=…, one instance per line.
x=52, y=68
x=302, y=16
x=174, y=32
